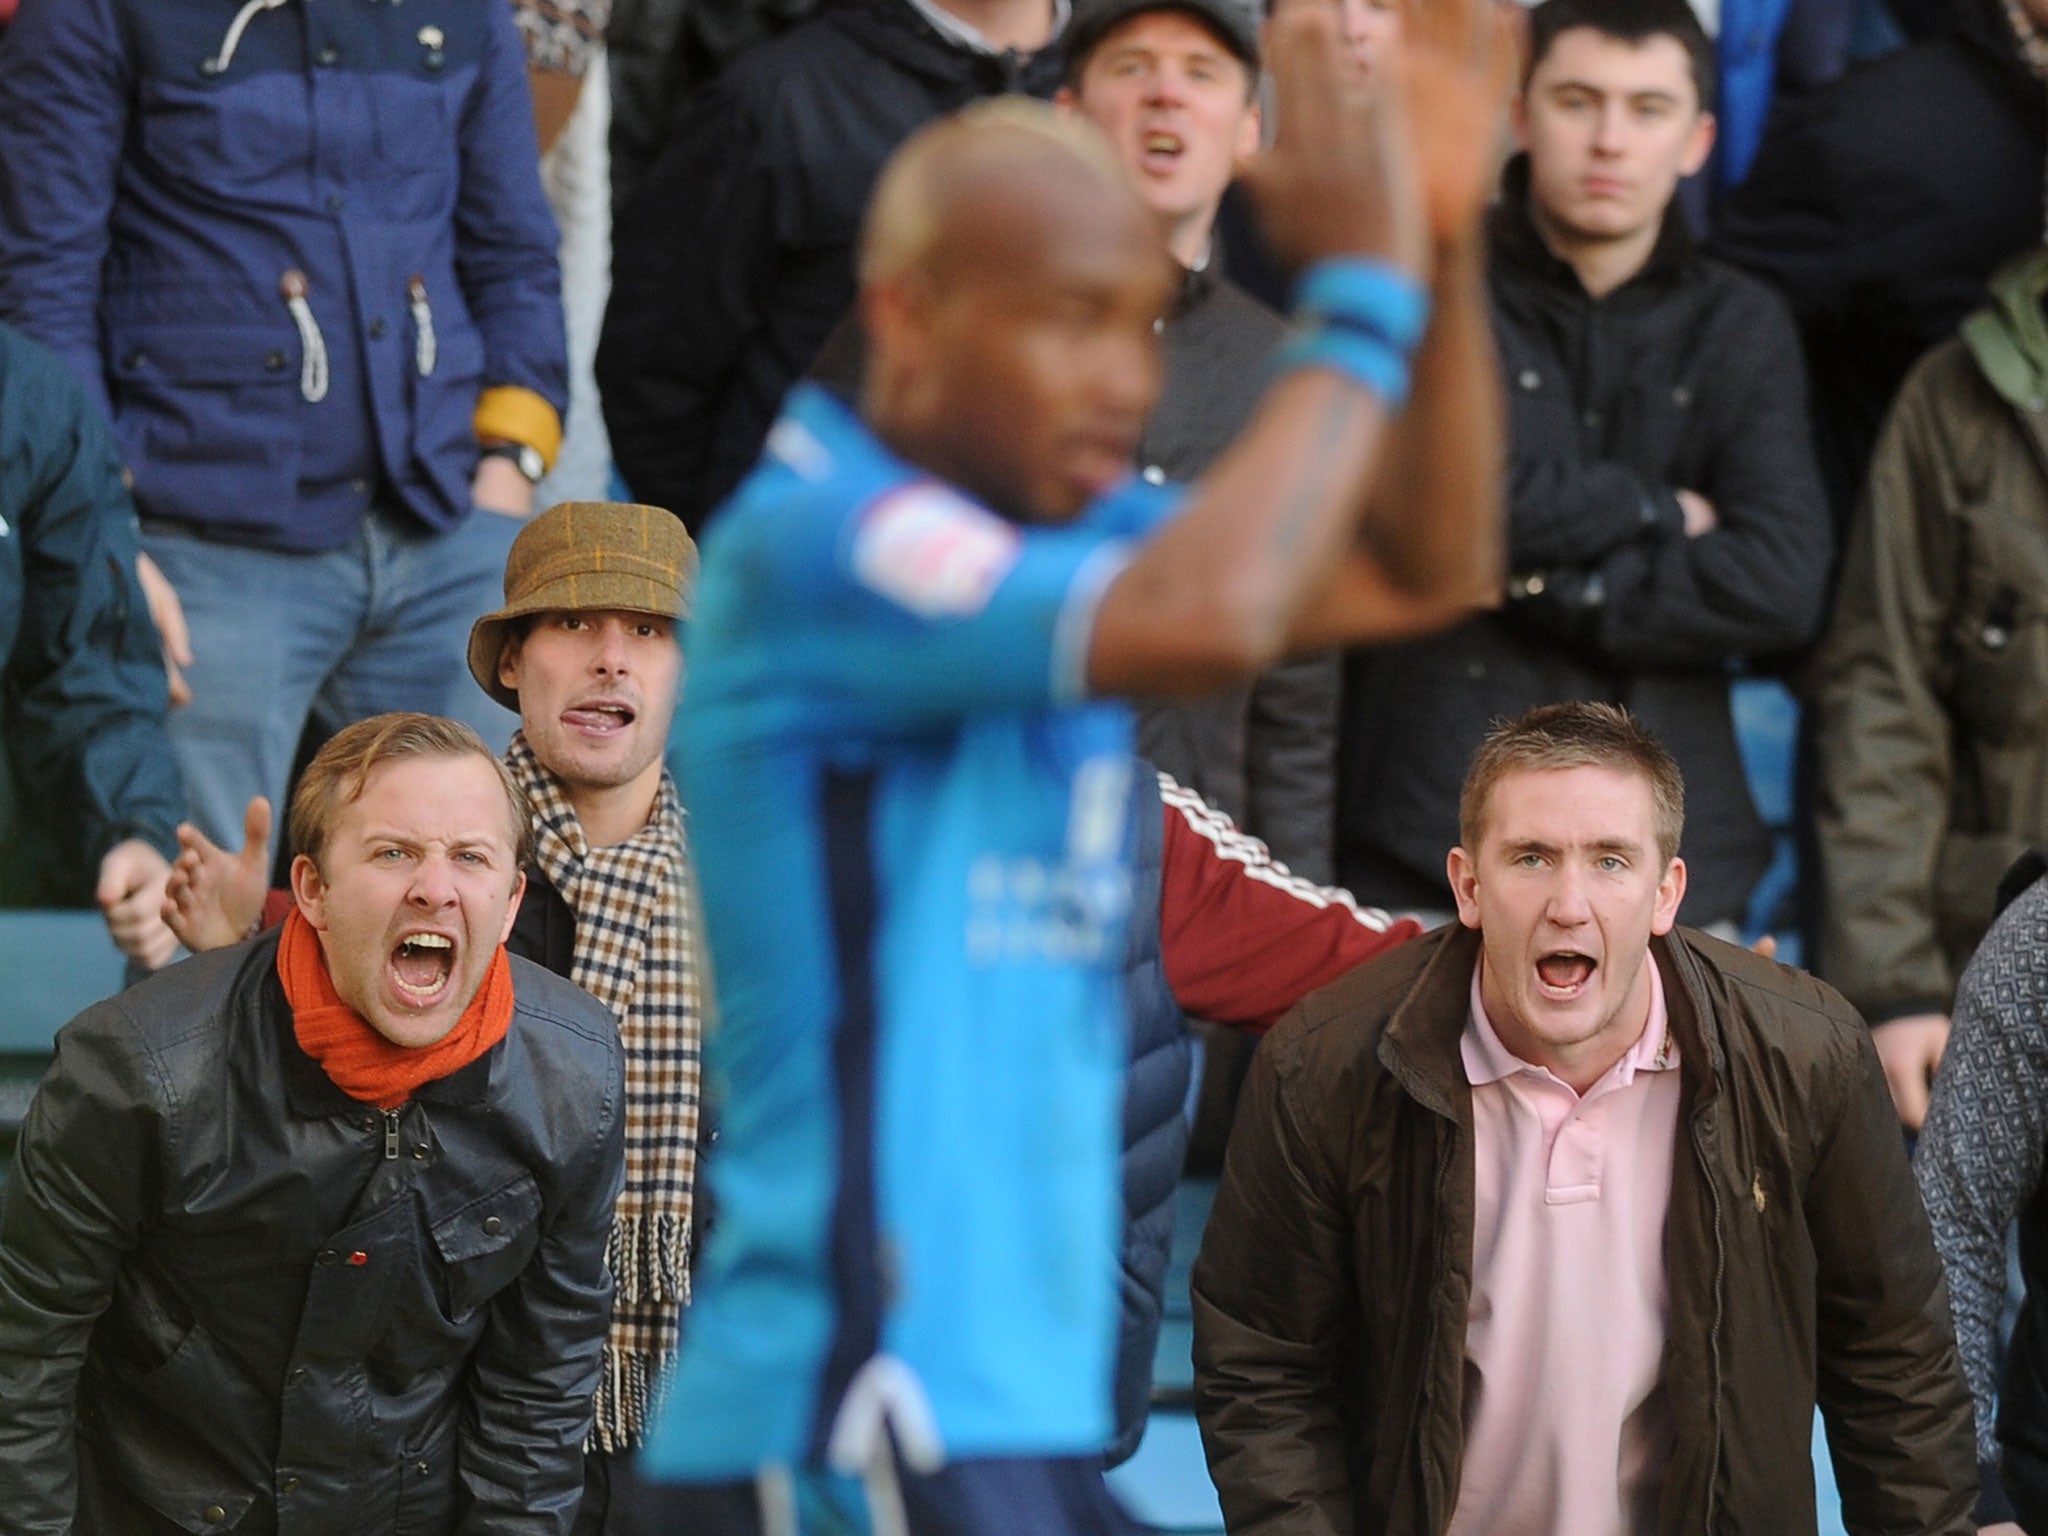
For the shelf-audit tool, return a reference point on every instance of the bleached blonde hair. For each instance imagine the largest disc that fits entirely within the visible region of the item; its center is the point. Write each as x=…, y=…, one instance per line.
x=944, y=159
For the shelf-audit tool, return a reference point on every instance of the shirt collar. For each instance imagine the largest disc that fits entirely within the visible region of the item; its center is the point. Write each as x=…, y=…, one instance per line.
x=1487, y=1060
x=958, y=32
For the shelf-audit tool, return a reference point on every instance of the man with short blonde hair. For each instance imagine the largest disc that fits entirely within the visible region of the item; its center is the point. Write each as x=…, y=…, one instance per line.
x=584, y=649
x=349, y=1187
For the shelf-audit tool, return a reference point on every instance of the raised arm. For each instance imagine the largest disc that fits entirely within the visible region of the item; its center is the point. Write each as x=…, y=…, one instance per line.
x=1283, y=546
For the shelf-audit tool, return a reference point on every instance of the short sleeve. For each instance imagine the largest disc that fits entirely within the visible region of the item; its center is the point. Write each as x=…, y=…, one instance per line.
x=934, y=606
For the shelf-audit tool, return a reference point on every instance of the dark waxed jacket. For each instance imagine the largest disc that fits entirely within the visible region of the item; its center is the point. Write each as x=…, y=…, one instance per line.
x=82, y=693
x=1332, y=1288
x=1931, y=684
x=317, y=1319
x=1263, y=752
x=735, y=259
x=1687, y=376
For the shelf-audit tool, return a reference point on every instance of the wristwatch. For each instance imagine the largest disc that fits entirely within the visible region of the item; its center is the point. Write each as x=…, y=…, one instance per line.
x=524, y=457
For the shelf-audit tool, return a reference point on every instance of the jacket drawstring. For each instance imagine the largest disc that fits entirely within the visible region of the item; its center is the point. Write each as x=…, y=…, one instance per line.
x=313, y=370
x=218, y=64
x=424, y=347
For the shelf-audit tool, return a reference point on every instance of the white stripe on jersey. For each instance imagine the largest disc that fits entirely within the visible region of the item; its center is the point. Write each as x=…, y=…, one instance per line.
x=1238, y=846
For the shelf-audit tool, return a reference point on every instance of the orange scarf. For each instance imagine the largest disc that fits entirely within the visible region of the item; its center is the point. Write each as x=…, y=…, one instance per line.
x=361, y=1062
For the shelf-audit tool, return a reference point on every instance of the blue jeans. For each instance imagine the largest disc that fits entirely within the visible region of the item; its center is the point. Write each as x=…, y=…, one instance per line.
x=282, y=638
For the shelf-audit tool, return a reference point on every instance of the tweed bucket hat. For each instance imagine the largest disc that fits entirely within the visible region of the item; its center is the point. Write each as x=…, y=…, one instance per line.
x=587, y=556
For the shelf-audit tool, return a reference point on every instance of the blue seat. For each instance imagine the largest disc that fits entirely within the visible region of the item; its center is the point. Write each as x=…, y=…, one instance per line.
x=53, y=966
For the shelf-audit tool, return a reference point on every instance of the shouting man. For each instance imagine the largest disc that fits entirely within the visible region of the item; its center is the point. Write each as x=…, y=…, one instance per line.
x=584, y=649
x=1560, y=1220
x=311, y=1233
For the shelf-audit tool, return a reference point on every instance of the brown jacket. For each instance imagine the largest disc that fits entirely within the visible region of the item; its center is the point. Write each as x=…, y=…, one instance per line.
x=1932, y=689
x=1331, y=1292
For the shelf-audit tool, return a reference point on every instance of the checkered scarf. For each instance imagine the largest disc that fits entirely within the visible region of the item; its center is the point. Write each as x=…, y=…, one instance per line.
x=636, y=951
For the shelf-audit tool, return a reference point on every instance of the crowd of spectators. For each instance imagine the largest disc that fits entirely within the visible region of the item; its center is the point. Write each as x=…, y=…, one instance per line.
x=306, y=308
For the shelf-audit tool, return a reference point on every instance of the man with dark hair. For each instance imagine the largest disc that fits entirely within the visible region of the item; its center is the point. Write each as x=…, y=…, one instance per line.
x=312, y=1231
x=914, y=626
x=1561, y=1220
x=1664, y=518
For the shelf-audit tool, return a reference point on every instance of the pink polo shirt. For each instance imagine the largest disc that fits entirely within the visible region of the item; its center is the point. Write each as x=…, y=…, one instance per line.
x=1565, y=1424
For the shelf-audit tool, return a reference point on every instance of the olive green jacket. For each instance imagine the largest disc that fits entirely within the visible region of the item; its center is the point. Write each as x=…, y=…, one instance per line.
x=1932, y=679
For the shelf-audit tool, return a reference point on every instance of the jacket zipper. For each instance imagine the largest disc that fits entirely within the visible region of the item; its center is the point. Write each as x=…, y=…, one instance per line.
x=390, y=1135
x=1431, y=1517
x=1714, y=1329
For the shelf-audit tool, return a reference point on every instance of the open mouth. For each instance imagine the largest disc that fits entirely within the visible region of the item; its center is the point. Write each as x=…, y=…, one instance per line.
x=1564, y=973
x=1161, y=150
x=603, y=719
x=421, y=966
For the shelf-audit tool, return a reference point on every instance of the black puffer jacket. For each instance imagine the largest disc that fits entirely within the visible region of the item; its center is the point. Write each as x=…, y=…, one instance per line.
x=734, y=260
x=282, y=1310
x=1685, y=377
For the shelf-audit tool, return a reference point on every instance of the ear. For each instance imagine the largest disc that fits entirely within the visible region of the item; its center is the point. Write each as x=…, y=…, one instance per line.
x=1067, y=100
x=508, y=661
x=1518, y=119
x=1702, y=145
x=1249, y=135
x=309, y=890
x=1670, y=893
x=512, y=912
x=1463, y=870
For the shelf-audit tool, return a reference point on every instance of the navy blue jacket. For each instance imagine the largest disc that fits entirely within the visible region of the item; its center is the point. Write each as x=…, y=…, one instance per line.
x=154, y=201
x=1162, y=1056
x=82, y=695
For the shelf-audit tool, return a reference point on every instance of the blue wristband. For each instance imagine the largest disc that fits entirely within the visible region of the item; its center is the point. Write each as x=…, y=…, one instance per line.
x=1369, y=296
x=1351, y=352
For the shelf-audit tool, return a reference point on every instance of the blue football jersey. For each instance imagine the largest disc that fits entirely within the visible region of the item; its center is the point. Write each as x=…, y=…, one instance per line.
x=911, y=828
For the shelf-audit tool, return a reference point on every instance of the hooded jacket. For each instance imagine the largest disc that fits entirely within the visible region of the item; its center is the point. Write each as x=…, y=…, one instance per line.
x=1880, y=205
x=1333, y=1285
x=735, y=259
x=1686, y=376
x=1931, y=687
x=175, y=167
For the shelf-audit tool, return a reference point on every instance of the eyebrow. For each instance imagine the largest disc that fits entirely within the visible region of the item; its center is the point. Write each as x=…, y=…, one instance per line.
x=1653, y=94
x=409, y=842
x=1603, y=845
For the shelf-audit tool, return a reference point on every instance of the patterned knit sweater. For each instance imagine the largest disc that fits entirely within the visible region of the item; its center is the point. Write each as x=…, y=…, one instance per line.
x=1980, y=1154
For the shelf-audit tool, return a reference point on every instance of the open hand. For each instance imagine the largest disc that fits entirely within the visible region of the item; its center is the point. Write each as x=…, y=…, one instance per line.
x=215, y=898
x=1341, y=178
x=1461, y=59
